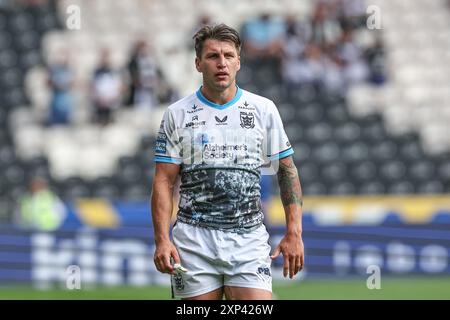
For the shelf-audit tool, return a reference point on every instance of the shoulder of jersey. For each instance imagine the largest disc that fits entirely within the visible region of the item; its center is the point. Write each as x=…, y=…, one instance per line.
x=255, y=99
x=183, y=103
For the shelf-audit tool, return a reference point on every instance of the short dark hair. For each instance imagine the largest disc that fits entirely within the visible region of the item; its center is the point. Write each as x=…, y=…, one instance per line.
x=220, y=32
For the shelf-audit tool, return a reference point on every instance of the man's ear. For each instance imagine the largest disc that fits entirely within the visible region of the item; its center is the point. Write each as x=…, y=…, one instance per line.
x=197, y=64
x=239, y=63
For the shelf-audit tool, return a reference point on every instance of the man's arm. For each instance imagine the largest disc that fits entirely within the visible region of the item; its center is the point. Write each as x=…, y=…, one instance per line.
x=291, y=246
x=162, y=206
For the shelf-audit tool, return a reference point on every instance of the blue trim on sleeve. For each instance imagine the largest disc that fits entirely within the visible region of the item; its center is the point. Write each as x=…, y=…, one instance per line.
x=282, y=154
x=203, y=99
x=165, y=159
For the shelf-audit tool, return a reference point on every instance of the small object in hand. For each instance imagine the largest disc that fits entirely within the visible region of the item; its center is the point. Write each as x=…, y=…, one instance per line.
x=179, y=268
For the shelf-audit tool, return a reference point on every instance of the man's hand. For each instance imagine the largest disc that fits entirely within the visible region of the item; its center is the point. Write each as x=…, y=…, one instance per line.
x=162, y=258
x=291, y=246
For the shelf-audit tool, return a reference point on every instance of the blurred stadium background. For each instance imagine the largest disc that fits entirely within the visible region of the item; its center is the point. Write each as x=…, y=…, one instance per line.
x=367, y=111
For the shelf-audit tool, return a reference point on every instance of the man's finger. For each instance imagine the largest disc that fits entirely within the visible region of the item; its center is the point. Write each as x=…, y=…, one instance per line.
x=158, y=265
x=291, y=266
x=175, y=256
x=276, y=253
x=302, y=261
x=167, y=267
x=298, y=265
x=286, y=266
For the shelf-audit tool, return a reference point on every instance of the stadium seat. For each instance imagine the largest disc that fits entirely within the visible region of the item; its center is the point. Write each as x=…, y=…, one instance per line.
x=309, y=172
x=411, y=150
x=384, y=150
x=337, y=114
x=3, y=120
x=401, y=187
x=38, y=166
x=392, y=170
x=314, y=189
x=373, y=187
x=8, y=58
x=363, y=172
x=27, y=41
x=4, y=138
x=444, y=170
x=430, y=187
x=11, y=78
x=310, y=113
x=245, y=76
x=45, y=21
x=318, y=133
x=96, y=161
x=29, y=141
x=30, y=59
x=302, y=152
x=74, y=188
x=303, y=95
x=342, y=188
x=135, y=192
x=20, y=22
x=295, y=131
x=373, y=130
x=7, y=155
x=287, y=111
x=326, y=152
x=106, y=187
x=7, y=208
x=130, y=171
x=334, y=172
x=355, y=151
x=146, y=158
x=421, y=171
x=14, y=175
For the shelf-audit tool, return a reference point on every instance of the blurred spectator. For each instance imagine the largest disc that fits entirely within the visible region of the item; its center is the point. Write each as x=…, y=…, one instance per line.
x=325, y=28
x=144, y=77
x=262, y=37
x=304, y=69
x=375, y=56
x=321, y=54
x=107, y=89
x=352, y=13
x=333, y=72
x=355, y=66
x=40, y=209
x=296, y=36
x=60, y=81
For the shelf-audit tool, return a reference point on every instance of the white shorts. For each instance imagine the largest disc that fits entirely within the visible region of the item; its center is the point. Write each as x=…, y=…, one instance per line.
x=215, y=258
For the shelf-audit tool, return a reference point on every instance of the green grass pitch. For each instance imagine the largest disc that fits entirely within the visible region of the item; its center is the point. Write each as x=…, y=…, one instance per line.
x=353, y=289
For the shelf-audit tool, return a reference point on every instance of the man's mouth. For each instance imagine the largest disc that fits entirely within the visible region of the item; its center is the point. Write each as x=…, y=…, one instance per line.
x=221, y=74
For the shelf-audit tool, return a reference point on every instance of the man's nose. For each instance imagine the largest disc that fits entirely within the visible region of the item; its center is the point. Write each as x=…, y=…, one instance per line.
x=221, y=62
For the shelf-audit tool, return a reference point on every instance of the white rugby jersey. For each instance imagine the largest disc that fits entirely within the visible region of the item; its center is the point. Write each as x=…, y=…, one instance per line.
x=221, y=149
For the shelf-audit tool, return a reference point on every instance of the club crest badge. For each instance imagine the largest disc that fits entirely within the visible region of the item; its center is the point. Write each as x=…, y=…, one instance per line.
x=247, y=120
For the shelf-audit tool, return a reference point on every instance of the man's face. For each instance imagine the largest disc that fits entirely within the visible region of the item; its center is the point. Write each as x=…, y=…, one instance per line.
x=219, y=64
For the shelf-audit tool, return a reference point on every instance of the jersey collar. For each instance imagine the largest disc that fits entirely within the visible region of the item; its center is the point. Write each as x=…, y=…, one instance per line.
x=203, y=99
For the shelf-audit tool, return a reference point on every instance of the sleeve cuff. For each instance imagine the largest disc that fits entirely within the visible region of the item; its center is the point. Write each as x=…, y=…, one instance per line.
x=282, y=154
x=166, y=159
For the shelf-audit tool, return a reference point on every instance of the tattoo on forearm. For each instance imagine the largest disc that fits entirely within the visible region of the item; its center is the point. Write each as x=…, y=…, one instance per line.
x=289, y=182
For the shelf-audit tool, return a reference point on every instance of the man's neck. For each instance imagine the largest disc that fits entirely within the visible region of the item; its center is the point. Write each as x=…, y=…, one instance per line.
x=219, y=97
